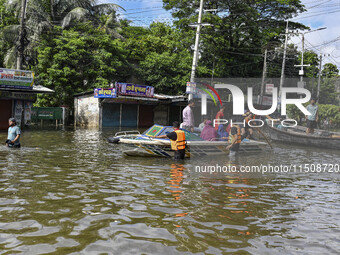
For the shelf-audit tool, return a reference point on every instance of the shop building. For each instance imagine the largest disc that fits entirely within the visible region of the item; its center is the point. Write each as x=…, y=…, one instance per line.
x=17, y=95
x=127, y=111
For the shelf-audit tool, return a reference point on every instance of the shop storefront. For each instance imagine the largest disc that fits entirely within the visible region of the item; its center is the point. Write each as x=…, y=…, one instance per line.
x=17, y=95
x=126, y=105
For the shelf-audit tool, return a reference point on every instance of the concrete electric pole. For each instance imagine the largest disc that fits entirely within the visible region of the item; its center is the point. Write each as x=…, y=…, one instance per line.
x=197, y=41
x=263, y=75
x=22, y=35
x=319, y=79
x=301, y=73
x=284, y=61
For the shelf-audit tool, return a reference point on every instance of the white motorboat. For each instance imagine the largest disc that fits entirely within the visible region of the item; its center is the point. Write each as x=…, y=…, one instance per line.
x=144, y=145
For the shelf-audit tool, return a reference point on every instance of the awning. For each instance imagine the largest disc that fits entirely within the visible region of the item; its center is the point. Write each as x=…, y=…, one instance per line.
x=37, y=89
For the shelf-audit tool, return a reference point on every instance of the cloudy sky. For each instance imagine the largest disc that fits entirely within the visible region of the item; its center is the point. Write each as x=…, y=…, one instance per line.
x=320, y=13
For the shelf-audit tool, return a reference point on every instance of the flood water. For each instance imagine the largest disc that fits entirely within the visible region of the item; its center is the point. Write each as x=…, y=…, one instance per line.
x=70, y=192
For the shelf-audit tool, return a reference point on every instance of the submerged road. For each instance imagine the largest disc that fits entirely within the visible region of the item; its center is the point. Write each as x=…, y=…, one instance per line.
x=70, y=192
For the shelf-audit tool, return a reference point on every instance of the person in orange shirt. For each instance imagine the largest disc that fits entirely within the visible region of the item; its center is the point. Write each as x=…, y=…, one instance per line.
x=177, y=139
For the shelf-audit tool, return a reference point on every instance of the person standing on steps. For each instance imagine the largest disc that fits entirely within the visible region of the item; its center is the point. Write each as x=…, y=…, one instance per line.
x=188, y=117
x=313, y=118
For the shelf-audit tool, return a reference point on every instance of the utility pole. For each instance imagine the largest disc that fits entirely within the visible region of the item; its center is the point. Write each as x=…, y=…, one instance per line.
x=319, y=80
x=302, y=53
x=284, y=60
x=301, y=73
x=195, y=58
x=264, y=74
x=21, y=47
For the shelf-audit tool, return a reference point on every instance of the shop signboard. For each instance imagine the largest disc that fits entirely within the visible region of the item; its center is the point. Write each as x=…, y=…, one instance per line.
x=18, y=95
x=105, y=93
x=46, y=113
x=16, y=79
x=191, y=88
x=128, y=89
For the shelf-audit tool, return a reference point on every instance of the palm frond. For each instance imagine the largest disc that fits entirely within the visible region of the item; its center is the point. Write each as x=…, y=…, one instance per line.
x=76, y=14
x=114, y=34
x=11, y=58
x=10, y=33
x=106, y=8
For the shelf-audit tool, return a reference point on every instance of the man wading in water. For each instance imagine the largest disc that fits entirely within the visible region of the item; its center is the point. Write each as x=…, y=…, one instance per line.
x=235, y=139
x=13, y=138
x=177, y=139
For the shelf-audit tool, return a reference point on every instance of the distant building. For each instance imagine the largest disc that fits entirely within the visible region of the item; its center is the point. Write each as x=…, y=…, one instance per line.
x=127, y=111
x=17, y=95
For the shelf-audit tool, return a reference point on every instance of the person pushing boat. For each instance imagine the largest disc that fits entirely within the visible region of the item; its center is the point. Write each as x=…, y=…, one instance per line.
x=177, y=139
x=235, y=139
x=247, y=131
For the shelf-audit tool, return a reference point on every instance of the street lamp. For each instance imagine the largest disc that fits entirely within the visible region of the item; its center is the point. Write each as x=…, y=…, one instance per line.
x=303, y=50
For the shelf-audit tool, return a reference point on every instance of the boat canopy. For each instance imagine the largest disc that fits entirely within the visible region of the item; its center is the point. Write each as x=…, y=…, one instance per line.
x=157, y=130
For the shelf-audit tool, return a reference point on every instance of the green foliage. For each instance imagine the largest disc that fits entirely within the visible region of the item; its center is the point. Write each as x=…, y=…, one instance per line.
x=160, y=57
x=7, y=15
x=76, y=61
x=328, y=93
x=7, y=18
x=241, y=29
x=311, y=58
x=330, y=70
x=275, y=62
x=328, y=112
x=43, y=15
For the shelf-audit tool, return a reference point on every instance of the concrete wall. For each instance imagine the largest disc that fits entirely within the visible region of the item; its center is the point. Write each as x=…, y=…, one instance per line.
x=86, y=111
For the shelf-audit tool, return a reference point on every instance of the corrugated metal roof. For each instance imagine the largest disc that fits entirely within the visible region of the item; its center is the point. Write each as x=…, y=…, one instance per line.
x=37, y=89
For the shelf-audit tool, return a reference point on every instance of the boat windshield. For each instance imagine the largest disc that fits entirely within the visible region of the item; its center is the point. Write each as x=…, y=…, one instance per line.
x=158, y=130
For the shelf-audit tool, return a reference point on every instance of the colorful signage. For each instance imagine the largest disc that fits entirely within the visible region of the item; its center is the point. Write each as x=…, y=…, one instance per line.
x=16, y=79
x=191, y=88
x=105, y=93
x=127, y=89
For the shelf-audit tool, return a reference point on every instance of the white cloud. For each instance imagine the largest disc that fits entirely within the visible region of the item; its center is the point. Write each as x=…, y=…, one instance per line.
x=327, y=14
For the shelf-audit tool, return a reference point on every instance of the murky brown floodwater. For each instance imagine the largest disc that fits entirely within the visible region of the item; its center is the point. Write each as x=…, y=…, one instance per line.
x=70, y=192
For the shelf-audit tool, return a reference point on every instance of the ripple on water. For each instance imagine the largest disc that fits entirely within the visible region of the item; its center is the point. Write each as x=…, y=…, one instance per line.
x=70, y=192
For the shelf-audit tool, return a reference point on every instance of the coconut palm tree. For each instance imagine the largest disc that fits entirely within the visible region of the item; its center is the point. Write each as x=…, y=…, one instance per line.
x=43, y=15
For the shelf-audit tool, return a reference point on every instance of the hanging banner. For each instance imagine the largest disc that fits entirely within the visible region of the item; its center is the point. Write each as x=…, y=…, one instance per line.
x=127, y=89
x=18, y=111
x=105, y=93
x=28, y=113
x=16, y=79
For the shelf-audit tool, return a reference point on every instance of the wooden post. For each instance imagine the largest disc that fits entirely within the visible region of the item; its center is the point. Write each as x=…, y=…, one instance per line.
x=138, y=115
x=120, y=117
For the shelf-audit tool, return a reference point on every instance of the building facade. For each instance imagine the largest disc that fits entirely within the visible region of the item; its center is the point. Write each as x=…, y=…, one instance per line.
x=17, y=103
x=127, y=111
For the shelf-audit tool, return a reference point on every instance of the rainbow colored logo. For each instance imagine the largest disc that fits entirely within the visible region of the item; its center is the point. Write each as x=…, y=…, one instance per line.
x=205, y=88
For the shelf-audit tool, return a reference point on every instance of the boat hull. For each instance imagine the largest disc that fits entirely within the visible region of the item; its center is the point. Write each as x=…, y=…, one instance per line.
x=194, y=148
x=293, y=137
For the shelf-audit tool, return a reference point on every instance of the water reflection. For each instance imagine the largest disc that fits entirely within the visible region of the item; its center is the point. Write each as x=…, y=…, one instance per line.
x=70, y=192
x=176, y=174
